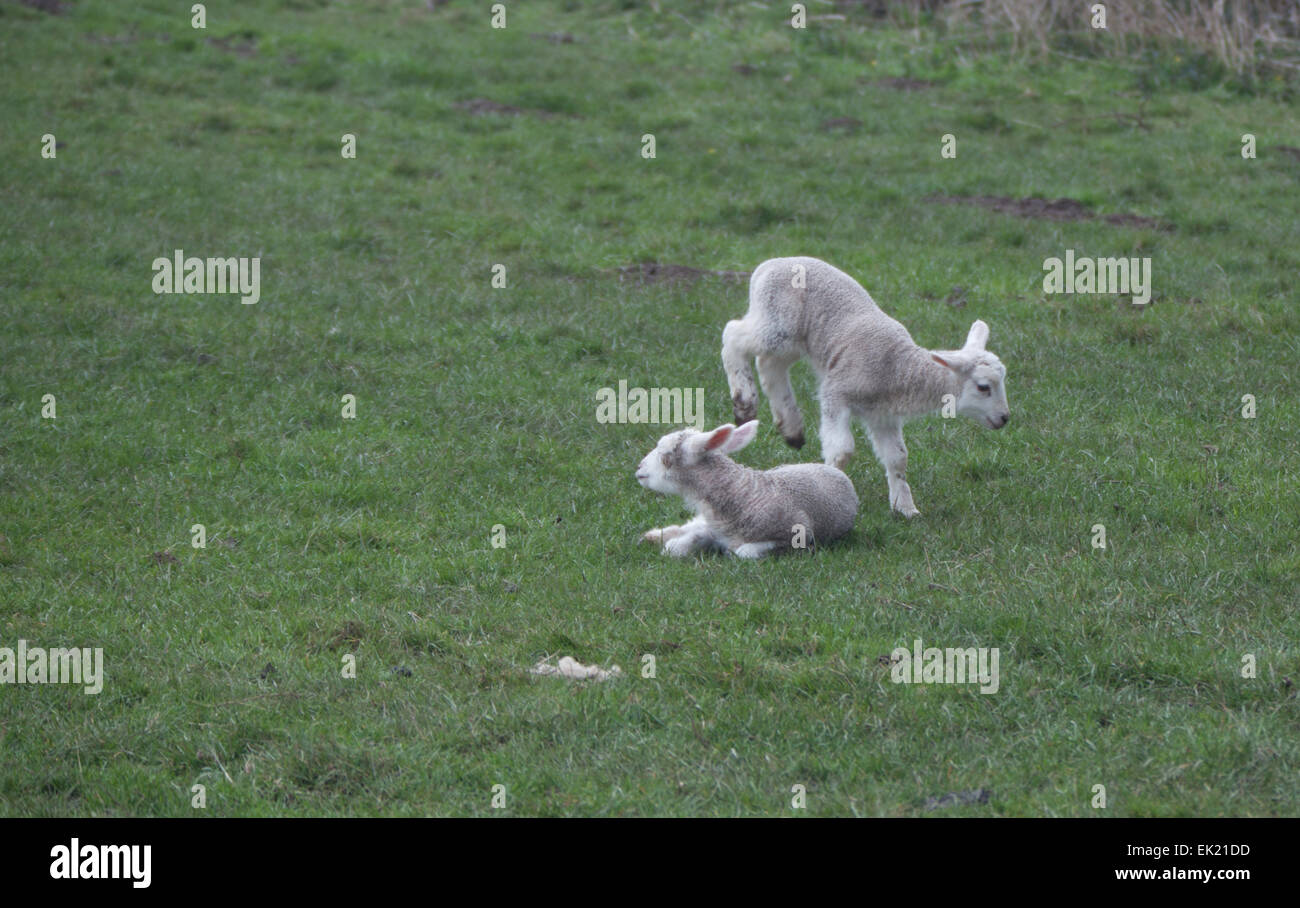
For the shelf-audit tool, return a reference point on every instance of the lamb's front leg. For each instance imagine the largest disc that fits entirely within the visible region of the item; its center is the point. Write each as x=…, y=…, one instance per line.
x=891, y=450
x=837, y=433
x=680, y=541
x=774, y=376
x=738, y=350
x=662, y=534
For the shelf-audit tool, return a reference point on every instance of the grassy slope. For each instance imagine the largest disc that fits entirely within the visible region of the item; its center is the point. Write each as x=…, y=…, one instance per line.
x=477, y=407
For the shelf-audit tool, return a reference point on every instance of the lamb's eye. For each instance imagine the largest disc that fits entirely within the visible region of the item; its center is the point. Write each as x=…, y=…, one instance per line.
x=982, y=388
x=666, y=459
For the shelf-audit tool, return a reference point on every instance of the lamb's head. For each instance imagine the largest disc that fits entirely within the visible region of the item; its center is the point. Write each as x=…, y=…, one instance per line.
x=983, y=395
x=665, y=468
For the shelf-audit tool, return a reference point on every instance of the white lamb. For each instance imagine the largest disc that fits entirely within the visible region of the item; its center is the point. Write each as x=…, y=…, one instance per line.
x=867, y=366
x=748, y=513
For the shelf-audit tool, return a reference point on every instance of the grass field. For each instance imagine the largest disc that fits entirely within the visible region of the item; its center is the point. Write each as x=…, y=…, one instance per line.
x=476, y=407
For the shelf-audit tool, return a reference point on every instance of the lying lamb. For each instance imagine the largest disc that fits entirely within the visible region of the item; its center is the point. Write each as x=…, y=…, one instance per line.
x=745, y=512
x=867, y=366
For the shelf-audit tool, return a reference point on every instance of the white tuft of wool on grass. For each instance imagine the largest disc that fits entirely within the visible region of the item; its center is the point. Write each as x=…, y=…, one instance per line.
x=568, y=667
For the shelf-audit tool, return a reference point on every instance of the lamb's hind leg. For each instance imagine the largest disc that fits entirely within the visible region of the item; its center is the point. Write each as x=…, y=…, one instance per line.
x=752, y=551
x=739, y=347
x=891, y=450
x=774, y=374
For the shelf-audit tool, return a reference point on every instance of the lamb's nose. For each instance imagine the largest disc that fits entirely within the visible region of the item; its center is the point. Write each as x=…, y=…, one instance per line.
x=1006, y=418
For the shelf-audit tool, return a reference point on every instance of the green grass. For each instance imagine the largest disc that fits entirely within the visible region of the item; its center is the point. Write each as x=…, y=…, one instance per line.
x=476, y=407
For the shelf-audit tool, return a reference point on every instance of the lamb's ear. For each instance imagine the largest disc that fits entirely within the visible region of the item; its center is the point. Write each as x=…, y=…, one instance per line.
x=951, y=360
x=978, y=337
x=741, y=437
x=717, y=438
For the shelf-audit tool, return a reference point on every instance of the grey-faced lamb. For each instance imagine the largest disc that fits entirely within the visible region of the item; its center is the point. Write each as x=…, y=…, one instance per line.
x=867, y=366
x=745, y=512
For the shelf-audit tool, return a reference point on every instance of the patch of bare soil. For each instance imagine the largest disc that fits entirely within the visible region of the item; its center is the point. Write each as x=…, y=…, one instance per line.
x=877, y=8
x=1048, y=209
x=348, y=636
x=956, y=298
x=111, y=40
x=902, y=83
x=657, y=273
x=848, y=124
x=232, y=45
x=480, y=107
x=958, y=799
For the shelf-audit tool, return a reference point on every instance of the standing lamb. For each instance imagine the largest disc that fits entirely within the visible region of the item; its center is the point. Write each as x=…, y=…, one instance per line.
x=867, y=366
x=748, y=513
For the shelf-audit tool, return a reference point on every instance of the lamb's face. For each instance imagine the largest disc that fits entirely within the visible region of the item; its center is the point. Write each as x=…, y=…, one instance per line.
x=655, y=471
x=983, y=395
x=680, y=453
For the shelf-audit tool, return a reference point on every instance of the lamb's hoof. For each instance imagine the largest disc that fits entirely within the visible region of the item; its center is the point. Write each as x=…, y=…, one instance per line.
x=653, y=536
x=680, y=547
x=796, y=442
x=744, y=411
x=909, y=513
